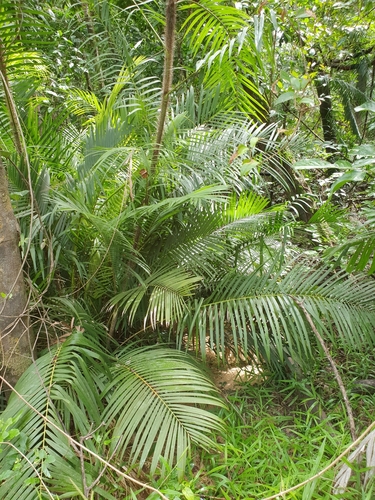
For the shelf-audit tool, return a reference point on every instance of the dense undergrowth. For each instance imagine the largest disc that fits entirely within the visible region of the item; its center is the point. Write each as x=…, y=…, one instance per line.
x=218, y=218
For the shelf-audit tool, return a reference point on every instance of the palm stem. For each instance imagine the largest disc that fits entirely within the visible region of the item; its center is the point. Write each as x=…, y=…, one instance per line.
x=169, y=44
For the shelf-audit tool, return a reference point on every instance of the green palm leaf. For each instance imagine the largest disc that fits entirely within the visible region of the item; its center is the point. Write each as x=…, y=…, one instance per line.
x=358, y=253
x=259, y=313
x=167, y=291
x=153, y=404
x=222, y=32
x=153, y=400
x=60, y=387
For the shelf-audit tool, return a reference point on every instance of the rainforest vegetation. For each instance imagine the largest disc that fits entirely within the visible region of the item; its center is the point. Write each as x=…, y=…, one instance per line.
x=187, y=250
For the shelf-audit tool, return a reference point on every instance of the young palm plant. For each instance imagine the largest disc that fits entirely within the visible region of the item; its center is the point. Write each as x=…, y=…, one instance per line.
x=180, y=246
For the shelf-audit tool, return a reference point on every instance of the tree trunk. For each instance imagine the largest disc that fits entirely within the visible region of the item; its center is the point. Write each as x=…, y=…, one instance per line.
x=326, y=112
x=15, y=333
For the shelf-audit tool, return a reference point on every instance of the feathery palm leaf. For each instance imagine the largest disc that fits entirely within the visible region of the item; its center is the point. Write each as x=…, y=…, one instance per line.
x=351, y=97
x=152, y=402
x=63, y=386
x=358, y=253
x=259, y=313
x=222, y=32
x=166, y=290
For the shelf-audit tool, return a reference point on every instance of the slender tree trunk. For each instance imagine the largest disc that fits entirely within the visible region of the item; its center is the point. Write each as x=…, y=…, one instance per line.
x=169, y=46
x=15, y=337
x=326, y=112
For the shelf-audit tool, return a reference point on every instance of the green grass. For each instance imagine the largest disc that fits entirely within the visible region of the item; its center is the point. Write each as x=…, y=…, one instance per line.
x=271, y=447
x=273, y=443
x=279, y=434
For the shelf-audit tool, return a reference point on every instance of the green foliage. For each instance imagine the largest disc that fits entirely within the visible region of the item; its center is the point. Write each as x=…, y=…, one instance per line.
x=281, y=433
x=219, y=34
x=258, y=312
x=106, y=403
x=175, y=385
x=200, y=251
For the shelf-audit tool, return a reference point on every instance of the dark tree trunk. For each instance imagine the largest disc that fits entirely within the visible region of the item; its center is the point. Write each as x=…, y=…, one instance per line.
x=15, y=332
x=326, y=112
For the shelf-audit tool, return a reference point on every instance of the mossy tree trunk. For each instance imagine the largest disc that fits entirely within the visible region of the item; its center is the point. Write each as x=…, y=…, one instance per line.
x=16, y=341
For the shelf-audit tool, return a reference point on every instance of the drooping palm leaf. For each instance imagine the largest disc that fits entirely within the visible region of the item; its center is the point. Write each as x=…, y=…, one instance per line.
x=222, y=32
x=259, y=313
x=167, y=290
x=351, y=97
x=153, y=402
x=357, y=254
x=61, y=387
x=68, y=389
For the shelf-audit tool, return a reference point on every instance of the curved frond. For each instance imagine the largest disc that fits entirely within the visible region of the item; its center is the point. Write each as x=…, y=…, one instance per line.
x=166, y=290
x=259, y=313
x=222, y=33
x=357, y=254
x=60, y=387
x=154, y=403
x=351, y=97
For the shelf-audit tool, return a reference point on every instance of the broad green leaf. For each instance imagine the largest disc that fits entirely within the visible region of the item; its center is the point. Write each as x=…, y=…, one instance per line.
x=352, y=176
x=188, y=493
x=248, y=166
x=302, y=13
x=343, y=164
x=363, y=162
x=253, y=141
x=307, y=100
x=313, y=163
x=366, y=106
x=363, y=150
x=287, y=96
x=242, y=149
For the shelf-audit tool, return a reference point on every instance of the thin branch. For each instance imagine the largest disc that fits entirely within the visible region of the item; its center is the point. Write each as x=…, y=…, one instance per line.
x=327, y=468
x=333, y=365
x=169, y=44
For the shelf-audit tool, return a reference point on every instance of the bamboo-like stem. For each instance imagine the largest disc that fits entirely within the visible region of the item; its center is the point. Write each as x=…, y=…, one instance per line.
x=169, y=45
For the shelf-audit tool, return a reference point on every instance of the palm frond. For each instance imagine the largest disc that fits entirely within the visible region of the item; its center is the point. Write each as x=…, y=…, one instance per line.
x=20, y=32
x=357, y=254
x=351, y=97
x=153, y=403
x=222, y=32
x=167, y=291
x=258, y=313
x=60, y=387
